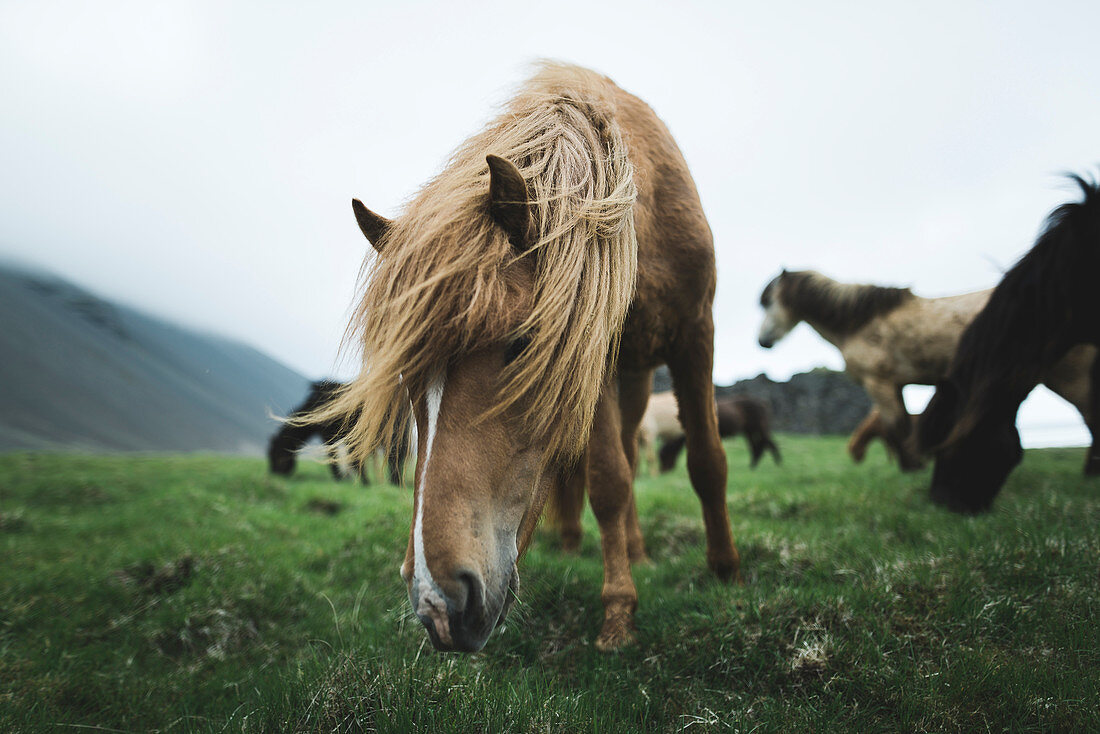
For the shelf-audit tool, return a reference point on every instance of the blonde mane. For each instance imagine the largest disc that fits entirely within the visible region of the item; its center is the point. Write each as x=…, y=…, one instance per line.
x=442, y=287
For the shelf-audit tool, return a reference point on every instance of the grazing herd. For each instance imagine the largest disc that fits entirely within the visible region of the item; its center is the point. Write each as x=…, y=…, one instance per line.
x=518, y=307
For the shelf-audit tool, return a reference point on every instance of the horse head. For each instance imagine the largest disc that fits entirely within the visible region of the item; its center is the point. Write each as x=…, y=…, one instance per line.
x=482, y=468
x=975, y=449
x=778, y=317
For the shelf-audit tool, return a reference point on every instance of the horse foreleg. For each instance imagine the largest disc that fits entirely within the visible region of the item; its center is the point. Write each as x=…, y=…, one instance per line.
x=569, y=504
x=609, y=494
x=691, y=370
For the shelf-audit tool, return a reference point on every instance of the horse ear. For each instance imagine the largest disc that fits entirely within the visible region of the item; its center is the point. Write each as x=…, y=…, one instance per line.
x=939, y=417
x=509, y=202
x=374, y=226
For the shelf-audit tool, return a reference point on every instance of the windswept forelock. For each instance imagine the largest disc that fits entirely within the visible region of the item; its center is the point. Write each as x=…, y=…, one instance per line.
x=450, y=281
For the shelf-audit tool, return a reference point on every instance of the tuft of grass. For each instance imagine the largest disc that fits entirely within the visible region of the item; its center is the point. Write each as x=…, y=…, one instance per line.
x=198, y=593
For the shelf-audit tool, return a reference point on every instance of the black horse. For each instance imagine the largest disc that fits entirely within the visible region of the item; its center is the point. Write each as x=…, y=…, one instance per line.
x=736, y=414
x=1048, y=303
x=282, y=449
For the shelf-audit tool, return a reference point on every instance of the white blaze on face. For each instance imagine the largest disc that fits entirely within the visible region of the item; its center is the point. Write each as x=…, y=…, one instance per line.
x=431, y=602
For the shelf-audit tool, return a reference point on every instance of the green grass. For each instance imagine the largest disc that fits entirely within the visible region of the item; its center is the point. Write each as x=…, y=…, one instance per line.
x=199, y=594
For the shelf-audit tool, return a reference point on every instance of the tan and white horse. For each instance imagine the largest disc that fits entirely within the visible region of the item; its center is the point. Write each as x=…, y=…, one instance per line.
x=522, y=301
x=890, y=338
x=659, y=424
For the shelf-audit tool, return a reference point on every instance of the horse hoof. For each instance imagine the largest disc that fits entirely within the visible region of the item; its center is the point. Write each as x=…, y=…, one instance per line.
x=726, y=569
x=616, y=634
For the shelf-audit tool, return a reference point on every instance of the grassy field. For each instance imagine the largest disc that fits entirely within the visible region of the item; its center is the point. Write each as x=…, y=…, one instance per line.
x=193, y=593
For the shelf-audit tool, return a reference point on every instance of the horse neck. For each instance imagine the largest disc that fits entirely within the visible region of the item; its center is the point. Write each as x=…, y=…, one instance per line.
x=834, y=337
x=819, y=301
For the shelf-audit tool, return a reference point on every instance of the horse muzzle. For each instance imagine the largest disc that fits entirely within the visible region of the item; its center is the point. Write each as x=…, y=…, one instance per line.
x=462, y=620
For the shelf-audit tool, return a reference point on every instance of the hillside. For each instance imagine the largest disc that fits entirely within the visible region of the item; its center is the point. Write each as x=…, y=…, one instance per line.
x=81, y=373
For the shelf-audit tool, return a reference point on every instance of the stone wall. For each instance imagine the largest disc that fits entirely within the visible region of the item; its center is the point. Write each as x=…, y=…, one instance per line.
x=819, y=401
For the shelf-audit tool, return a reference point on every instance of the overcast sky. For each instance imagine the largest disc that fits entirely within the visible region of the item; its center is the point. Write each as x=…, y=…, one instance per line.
x=198, y=159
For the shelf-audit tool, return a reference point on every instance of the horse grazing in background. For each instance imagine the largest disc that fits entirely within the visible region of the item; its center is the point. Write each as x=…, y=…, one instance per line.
x=890, y=338
x=737, y=415
x=283, y=448
x=522, y=301
x=1047, y=304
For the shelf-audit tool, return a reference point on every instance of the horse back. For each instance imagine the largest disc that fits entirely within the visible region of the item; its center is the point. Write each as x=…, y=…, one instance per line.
x=676, y=270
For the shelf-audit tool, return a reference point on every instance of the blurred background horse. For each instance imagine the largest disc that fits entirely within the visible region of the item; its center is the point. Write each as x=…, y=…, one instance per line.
x=890, y=338
x=1043, y=308
x=292, y=436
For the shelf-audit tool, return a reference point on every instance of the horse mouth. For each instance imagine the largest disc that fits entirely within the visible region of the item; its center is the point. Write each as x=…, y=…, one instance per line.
x=466, y=630
x=510, y=593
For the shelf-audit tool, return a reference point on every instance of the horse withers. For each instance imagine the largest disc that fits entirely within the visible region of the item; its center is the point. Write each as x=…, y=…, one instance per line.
x=1042, y=312
x=522, y=301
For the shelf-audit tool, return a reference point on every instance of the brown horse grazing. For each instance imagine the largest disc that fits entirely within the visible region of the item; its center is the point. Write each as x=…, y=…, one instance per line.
x=522, y=301
x=1044, y=306
x=737, y=415
x=890, y=338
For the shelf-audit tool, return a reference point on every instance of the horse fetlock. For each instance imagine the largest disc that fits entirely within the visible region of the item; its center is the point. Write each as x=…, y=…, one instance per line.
x=617, y=632
x=725, y=565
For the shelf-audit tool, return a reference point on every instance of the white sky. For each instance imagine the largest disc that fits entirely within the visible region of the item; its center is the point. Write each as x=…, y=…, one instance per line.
x=198, y=159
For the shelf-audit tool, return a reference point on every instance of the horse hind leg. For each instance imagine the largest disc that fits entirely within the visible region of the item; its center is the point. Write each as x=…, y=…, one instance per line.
x=567, y=503
x=610, y=497
x=774, y=449
x=760, y=443
x=691, y=370
x=867, y=431
x=897, y=424
x=634, y=390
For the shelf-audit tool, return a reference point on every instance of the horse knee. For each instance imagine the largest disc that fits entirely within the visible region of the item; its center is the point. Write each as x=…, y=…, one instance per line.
x=609, y=498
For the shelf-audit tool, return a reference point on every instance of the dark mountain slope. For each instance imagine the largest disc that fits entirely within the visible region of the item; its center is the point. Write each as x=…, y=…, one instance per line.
x=78, y=372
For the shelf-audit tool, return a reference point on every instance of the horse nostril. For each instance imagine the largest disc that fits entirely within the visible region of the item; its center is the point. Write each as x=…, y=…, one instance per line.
x=470, y=583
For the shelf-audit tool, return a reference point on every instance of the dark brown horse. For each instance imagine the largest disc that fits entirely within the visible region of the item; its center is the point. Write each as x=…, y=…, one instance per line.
x=737, y=415
x=1047, y=304
x=522, y=301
